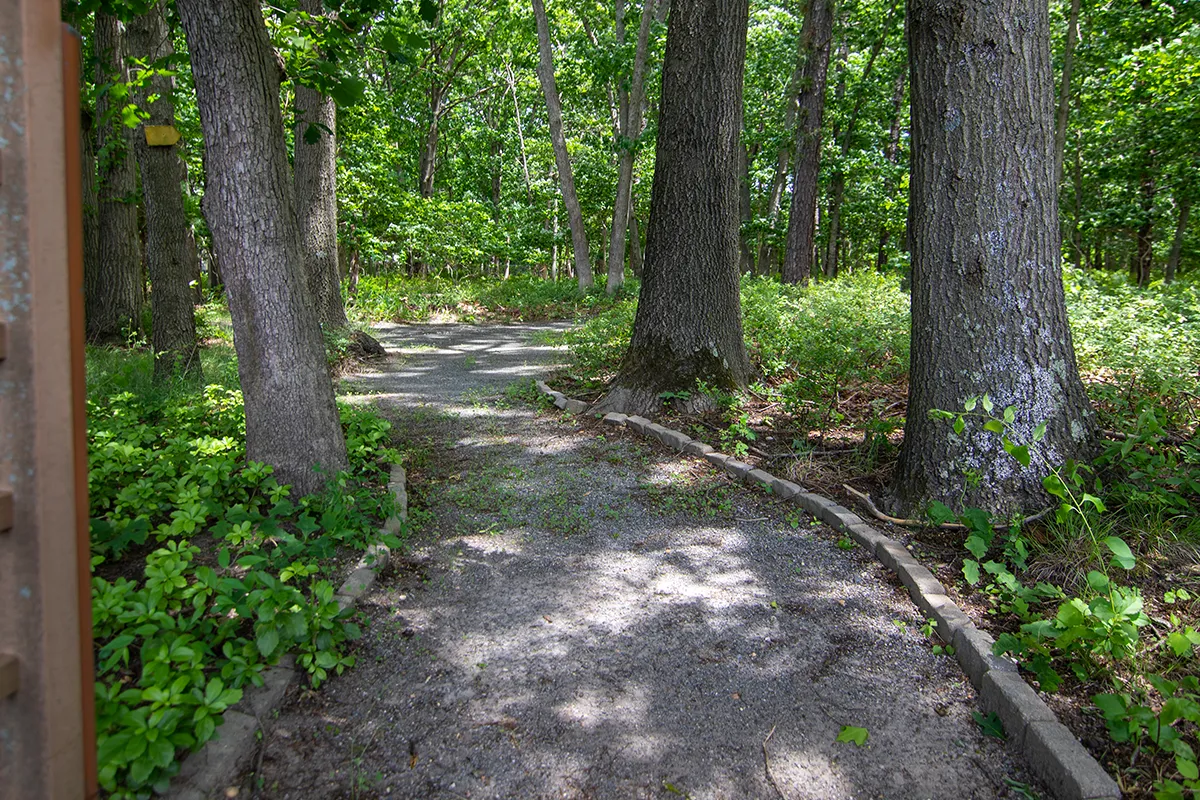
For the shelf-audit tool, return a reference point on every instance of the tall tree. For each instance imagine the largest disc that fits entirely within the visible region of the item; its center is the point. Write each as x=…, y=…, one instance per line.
x=113, y=291
x=314, y=167
x=688, y=326
x=630, y=129
x=802, y=222
x=1064, y=93
x=170, y=259
x=583, y=266
x=1184, y=203
x=988, y=312
x=291, y=419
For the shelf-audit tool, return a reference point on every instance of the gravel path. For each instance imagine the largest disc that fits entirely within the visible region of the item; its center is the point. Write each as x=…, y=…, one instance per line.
x=586, y=616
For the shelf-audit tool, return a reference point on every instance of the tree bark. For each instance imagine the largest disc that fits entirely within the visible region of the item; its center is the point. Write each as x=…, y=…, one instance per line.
x=291, y=419
x=1172, y=265
x=631, y=128
x=170, y=259
x=315, y=174
x=815, y=35
x=1064, y=94
x=583, y=267
x=688, y=326
x=988, y=311
x=745, y=211
x=113, y=292
x=635, y=241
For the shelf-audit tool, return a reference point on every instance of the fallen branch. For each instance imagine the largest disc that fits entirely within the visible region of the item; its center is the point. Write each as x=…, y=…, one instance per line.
x=917, y=523
x=907, y=523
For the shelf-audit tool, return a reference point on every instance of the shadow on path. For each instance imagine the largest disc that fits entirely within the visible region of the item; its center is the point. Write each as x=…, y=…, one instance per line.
x=583, y=616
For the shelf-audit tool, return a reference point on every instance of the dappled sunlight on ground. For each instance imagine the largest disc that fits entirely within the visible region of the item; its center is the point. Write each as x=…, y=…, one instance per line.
x=584, y=617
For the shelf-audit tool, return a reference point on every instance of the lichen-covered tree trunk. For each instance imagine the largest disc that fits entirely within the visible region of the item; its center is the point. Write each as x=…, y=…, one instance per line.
x=802, y=220
x=291, y=419
x=562, y=160
x=688, y=326
x=988, y=312
x=170, y=259
x=113, y=290
x=315, y=170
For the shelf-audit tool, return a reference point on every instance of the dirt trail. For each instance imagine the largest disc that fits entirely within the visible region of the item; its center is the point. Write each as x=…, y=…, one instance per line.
x=585, y=616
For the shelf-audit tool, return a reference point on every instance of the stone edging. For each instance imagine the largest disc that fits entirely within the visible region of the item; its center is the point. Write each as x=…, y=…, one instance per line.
x=206, y=773
x=1053, y=752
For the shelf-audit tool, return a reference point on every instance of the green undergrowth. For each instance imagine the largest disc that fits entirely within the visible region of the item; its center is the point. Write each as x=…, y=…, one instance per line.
x=814, y=346
x=1116, y=628
x=397, y=298
x=206, y=569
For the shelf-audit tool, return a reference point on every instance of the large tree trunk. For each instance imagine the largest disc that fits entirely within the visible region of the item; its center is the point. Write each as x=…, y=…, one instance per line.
x=802, y=222
x=631, y=128
x=988, y=312
x=170, y=259
x=1172, y=265
x=1064, y=93
x=291, y=419
x=113, y=292
x=583, y=267
x=315, y=172
x=688, y=326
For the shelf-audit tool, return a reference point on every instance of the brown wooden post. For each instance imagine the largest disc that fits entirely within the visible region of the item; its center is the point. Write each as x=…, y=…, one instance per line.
x=42, y=635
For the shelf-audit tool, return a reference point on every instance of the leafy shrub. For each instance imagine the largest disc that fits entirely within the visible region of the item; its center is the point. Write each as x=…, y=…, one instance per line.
x=177, y=645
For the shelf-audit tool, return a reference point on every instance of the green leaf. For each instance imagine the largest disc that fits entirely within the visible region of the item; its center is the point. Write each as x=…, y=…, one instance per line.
x=1021, y=454
x=990, y=724
x=1095, y=501
x=987, y=404
x=1039, y=432
x=267, y=641
x=428, y=11
x=994, y=425
x=1010, y=414
x=977, y=547
x=970, y=404
x=1179, y=644
x=348, y=91
x=959, y=426
x=1122, y=555
x=1053, y=484
x=849, y=733
x=1187, y=768
x=971, y=571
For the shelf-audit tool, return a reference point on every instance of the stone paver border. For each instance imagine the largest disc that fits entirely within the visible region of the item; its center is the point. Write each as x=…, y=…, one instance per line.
x=1055, y=755
x=208, y=772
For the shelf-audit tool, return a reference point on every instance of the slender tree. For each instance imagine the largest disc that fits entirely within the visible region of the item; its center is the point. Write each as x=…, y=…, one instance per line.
x=1064, y=93
x=291, y=419
x=630, y=130
x=314, y=166
x=170, y=259
x=688, y=326
x=988, y=311
x=815, y=36
x=1184, y=204
x=113, y=290
x=583, y=266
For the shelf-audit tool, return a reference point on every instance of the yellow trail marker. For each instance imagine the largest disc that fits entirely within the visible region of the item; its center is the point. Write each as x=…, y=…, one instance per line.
x=161, y=135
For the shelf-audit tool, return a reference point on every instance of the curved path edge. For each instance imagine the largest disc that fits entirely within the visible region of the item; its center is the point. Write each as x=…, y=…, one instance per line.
x=206, y=773
x=1053, y=752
